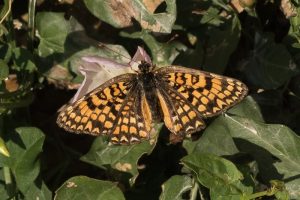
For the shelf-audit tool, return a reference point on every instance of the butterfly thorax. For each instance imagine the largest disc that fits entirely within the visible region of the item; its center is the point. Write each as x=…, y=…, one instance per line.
x=145, y=67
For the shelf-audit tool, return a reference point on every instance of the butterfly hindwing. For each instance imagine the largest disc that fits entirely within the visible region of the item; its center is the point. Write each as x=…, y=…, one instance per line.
x=134, y=122
x=180, y=116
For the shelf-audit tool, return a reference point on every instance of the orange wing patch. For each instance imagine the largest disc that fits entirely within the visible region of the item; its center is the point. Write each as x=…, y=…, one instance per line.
x=135, y=122
x=180, y=117
x=96, y=112
x=211, y=94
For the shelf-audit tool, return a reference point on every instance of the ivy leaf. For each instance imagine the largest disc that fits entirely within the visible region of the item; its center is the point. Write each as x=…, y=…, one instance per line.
x=175, y=187
x=53, y=30
x=270, y=65
x=279, y=140
x=218, y=174
x=121, y=158
x=215, y=139
x=142, y=11
x=25, y=146
x=82, y=187
x=162, y=53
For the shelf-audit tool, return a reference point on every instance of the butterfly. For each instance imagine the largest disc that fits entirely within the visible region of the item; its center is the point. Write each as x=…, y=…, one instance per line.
x=126, y=107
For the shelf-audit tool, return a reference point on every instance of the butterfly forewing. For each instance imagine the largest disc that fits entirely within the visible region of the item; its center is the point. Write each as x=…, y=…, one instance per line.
x=188, y=93
x=96, y=112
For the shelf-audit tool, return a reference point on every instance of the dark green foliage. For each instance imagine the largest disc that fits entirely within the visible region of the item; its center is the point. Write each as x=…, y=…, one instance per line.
x=251, y=151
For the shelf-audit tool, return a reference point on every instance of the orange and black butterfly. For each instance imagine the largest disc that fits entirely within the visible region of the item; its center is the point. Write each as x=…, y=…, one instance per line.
x=125, y=107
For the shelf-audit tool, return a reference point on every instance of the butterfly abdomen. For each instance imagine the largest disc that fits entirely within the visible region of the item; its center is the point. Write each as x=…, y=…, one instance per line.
x=148, y=83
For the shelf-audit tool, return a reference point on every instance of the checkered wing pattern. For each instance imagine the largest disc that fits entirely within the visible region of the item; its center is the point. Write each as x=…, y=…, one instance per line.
x=186, y=96
x=114, y=109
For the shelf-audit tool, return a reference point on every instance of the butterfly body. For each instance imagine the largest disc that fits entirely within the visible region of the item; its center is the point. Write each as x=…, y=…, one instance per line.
x=126, y=106
x=148, y=84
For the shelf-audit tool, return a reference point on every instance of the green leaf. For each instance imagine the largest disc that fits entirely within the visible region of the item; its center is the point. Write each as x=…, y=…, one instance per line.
x=141, y=11
x=25, y=146
x=121, y=158
x=270, y=65
x=4, y=71
x=279, y=140
x=212, y=170
x=175, y=187
x=215, y=139
x=214, y=46
x=81, y=187
x=3, y=186
x=280, y=191
x=218, y=174
x=162, y=53
x=292, y=39
x=247, y=108
x=23, y=59
x=53, y=30
x=212, y=17
x=5, y=52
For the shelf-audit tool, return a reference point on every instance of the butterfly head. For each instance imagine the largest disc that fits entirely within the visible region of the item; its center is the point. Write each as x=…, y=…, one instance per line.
x=145, y=67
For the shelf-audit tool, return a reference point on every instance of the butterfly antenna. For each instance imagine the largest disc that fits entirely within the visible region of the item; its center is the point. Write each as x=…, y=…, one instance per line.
x=116, y=52
x=170, y=40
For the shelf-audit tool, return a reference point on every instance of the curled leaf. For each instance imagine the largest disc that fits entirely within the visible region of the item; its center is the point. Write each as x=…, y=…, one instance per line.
x=97, y=70
x=3, y=149
x=288, y=9
x=121, y=14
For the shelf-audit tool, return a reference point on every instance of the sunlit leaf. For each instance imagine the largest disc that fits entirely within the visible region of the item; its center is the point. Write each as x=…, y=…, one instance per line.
x=141, y=11
x=175, y=187
x=82, y=187
x=218, y=174
x=122, y=158
x=279, y=140
x=216, y=139
x=25, y=146
x=53, y=30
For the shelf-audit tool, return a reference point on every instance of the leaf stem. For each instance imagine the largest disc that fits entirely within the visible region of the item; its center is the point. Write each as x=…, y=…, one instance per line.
x=262, y=193
x=194, y=190
x=31, y=18
x=7, y=12
x=8, y=182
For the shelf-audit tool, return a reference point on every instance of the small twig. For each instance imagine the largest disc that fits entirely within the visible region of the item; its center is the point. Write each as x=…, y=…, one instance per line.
x=8, y=11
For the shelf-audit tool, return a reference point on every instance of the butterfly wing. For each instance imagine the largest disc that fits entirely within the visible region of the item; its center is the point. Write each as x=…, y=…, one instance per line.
x=179, y=116
x=113, y=108
x=187, y=95
x=134, y=121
